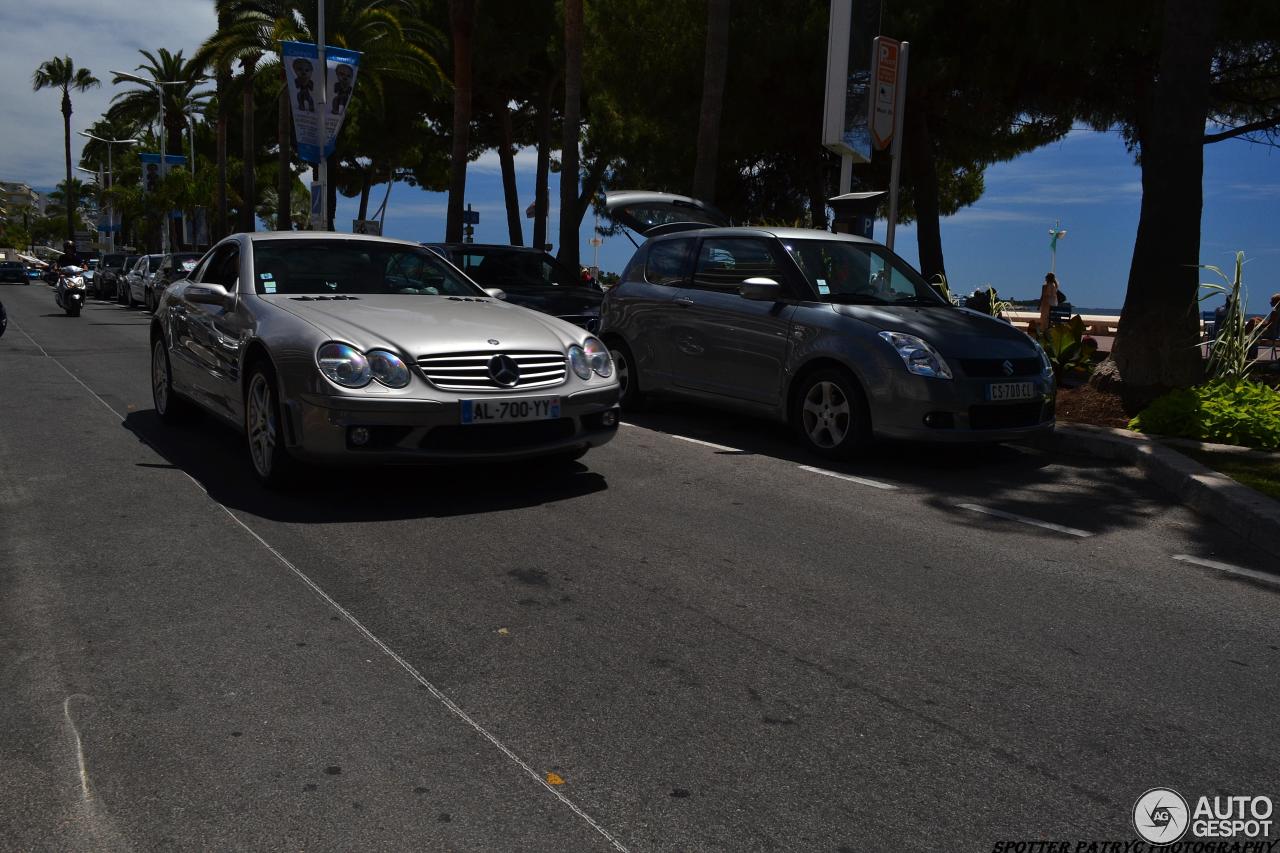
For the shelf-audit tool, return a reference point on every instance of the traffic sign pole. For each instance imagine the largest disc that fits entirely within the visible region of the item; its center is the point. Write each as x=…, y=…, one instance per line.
x=899, y=110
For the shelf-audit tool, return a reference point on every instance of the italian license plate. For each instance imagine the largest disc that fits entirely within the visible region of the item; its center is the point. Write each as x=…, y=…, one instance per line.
x=1011, y=391
x=509, y=411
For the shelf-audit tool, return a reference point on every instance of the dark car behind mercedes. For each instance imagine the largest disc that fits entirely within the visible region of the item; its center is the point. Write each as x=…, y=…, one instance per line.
x=529, y=278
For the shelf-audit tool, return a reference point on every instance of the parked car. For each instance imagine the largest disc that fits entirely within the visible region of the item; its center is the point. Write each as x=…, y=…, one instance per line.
x=832, y=333
x=529, y=277
x=342, y=348
x=34, y=274
x=12, y=272
x=175, y=266
x=108, y=275
x=138, y=279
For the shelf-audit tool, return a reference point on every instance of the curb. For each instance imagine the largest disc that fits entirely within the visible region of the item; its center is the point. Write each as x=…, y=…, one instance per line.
x=1252, y=516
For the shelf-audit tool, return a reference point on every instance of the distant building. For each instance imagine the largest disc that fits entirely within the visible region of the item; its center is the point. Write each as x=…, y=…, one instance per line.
x=16, y=197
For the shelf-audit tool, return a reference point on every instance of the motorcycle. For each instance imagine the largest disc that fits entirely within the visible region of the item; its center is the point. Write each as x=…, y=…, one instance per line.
x=70, y=290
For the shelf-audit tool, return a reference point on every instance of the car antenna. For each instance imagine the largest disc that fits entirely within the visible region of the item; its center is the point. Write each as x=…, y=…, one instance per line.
x=627, y=231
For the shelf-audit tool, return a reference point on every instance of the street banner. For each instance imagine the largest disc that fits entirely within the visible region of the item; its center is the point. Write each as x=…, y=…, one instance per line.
x=852, y=25
x=309, y=115
x=371, y=227
x=151, y=168
x=887, y=53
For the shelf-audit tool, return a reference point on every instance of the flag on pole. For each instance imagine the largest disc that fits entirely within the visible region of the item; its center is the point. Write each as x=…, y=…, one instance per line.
x=300, y=61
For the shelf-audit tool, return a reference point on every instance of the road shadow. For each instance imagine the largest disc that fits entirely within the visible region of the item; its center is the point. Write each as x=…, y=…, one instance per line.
x=216, y=457
x=1076, y=491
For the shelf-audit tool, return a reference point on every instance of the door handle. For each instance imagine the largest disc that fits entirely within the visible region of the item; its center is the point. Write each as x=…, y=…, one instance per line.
x=683, y=301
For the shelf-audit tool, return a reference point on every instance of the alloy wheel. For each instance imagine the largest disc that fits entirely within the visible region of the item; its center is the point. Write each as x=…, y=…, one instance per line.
x=159, y=377
x=261, y=422
x=826, y=414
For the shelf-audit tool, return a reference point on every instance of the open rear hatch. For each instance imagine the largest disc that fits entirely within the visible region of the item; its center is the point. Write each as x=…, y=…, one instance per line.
x=651, y=213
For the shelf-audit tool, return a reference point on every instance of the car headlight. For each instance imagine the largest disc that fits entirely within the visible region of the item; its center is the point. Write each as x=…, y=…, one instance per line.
x=388, y=368
x=920, y=358
x=598, y=357
x=579, y=362
x=344, y=365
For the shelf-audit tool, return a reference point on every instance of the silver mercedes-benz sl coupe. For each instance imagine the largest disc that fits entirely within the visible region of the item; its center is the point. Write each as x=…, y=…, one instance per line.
x=336, y=348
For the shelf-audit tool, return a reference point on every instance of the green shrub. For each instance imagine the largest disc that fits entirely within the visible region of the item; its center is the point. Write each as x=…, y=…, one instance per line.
x=1069, y=349
x=1228, y=411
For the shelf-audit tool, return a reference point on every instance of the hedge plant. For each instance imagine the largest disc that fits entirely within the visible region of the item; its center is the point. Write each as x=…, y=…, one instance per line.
x=1227, y=411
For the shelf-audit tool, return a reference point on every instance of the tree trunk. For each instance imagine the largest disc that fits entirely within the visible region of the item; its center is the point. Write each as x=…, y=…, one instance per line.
x=924, y=190
x=1156, y=347
x=331, y=191
x=248, y=187
x=366, y=180
x=590, y=186
x=462, y=15
x=572, y=127
x=70, y=195
x=284, y=181
x=506, y=156
x=541, y=194
x=713, y=74
x=220, y=220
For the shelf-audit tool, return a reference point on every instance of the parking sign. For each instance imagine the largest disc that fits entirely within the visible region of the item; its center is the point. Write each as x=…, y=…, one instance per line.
x=885, y=56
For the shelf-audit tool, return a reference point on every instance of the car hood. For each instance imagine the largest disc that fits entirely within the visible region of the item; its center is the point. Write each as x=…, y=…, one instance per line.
x=427, y=325
x=560, y=301
x=955, y=332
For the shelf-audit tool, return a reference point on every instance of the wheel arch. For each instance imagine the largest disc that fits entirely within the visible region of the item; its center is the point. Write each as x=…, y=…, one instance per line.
x=812, y=366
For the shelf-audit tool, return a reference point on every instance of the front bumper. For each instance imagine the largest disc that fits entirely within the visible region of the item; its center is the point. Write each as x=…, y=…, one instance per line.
x=409, y=432
x=957, y=411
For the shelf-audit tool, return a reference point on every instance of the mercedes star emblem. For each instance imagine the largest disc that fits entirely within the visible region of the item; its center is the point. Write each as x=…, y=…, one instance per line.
x=504, y=370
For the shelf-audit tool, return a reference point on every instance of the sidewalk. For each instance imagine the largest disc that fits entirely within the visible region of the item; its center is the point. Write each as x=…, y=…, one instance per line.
x=1252, y=516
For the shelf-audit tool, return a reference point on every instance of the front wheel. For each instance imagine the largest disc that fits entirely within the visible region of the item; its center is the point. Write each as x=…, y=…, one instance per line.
x=73, y=310
x=830, y=414
x=624, y=366
x=169, y=406
x=272, y=464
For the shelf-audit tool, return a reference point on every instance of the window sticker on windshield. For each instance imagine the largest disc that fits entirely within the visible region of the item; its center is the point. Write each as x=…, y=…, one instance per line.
x=265, y=276
x=822, y=287
x=268, y=287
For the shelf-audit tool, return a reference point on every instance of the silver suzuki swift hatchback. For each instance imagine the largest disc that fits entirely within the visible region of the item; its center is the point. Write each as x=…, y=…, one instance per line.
x=831, y=333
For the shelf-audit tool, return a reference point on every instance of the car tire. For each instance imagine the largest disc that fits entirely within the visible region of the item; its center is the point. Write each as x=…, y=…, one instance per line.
x=129, y=300
x=73, y=312
x=150, y=301
x=631, y=399
x=830, y=414
x=169, y=405
x=263, y=427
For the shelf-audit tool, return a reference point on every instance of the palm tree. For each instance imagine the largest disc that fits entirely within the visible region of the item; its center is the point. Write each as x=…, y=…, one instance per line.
x=61, y=73
x=391, y=39
x=183, y=102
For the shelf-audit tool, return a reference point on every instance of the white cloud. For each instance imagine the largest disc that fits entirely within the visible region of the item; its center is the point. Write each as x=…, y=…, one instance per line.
x=525, y=159
x=101, y=37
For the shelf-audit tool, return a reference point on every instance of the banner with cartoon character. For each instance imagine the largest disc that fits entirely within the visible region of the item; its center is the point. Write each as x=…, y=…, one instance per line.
x=300, y=62
x=151, y=168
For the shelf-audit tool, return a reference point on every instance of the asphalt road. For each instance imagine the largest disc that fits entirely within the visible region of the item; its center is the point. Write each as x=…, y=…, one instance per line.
x=709, y=644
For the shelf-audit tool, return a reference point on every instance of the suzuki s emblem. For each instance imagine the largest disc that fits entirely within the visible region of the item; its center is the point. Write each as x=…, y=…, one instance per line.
x=494, y=341
x=1007, y=367
x=504, y=370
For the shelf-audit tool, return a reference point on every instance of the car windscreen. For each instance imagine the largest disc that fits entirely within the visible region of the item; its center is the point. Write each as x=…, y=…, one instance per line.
x=10, y=265
x=864, y=273
x=512, y=269
x=357, y=267
x=186, y=261
x=113, y=261
x=129, y=262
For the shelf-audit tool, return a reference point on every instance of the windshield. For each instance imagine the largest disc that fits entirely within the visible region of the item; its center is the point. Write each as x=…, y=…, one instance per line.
x=113, y=261
x=10, y=265
x=186, y=261
x=326, y=267
x=842, y=271
x=129, y=262
x=512, y=269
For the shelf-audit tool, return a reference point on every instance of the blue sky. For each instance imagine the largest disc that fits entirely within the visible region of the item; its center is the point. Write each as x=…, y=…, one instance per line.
x=1087, y=180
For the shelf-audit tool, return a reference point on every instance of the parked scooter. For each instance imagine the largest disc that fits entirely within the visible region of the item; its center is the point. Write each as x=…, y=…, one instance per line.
x=70, y=290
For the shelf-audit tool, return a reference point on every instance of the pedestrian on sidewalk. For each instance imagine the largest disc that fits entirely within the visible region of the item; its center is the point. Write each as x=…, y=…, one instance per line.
x=1048, y=300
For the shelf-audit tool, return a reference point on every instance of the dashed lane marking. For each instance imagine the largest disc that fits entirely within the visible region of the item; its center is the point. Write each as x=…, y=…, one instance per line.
x=862, y=481
x=1227, y=568
x=1034, y=522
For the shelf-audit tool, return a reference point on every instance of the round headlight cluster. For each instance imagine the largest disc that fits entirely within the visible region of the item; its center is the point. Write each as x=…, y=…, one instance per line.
x=591, y=357
x=345, y=365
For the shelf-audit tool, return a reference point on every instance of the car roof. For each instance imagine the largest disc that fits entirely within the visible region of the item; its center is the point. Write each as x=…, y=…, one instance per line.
x=487, y=247
x=255, y=236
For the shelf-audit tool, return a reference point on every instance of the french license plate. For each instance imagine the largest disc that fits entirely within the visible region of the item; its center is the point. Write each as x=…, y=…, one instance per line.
x=508, y=411
x=1011, y=391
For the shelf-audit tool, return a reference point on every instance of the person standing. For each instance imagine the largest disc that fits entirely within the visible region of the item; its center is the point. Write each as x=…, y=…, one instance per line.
x=1048, y=300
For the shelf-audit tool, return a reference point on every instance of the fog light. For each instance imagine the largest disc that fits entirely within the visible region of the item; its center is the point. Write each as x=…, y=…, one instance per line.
x=940, y=420
x=609, y=418
x=359, y=436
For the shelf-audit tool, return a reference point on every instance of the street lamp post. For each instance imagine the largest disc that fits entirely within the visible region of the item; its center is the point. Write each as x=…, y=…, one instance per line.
x=158, y=87
x=111, y=219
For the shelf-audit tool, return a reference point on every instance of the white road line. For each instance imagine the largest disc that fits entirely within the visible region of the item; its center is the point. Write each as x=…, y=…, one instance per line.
x=1253, y=574
x=710, y=444
x=369, y=635
x=875, y=484
x=1047, y=525
x=85, y=793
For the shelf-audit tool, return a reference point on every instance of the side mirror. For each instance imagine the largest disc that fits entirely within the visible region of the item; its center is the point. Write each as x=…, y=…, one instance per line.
x=496, y=292
x=209, y=294
x=761, y=290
